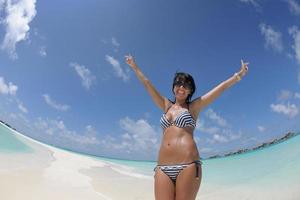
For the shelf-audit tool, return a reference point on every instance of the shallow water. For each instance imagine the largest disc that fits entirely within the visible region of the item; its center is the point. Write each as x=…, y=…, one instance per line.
x=9, y=143
x=268, y=169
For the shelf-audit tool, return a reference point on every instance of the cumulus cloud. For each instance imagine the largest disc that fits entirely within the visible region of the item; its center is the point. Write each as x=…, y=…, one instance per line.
x=295, y=33
x=206, y=150
x=22, y=107
x=55, y=105
x=113, y=41
x=19, y=13
x=138, y=138
x=285, y=95
x=294, y=7
x=59, y=131
x=217, y=134
x=139, y=135
x=298, y=77
x=216, y=118
x=272, y=38
x=42, y=51
x=223, y=137
x=9, y=88
x=200, y=126
x=217, y=127
x=87, y=78
x=253, y=3
x=220, y=138
x=119, y=71
x=261, y=128
x=289, y=110
x=2, y=5
x=115, y=44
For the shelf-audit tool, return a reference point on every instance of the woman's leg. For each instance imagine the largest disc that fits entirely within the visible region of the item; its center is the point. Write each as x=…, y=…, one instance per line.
x=187, y=184
x=163, y=186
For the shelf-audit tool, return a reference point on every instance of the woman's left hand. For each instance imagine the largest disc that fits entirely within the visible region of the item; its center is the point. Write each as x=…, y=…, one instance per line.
x=244, y=69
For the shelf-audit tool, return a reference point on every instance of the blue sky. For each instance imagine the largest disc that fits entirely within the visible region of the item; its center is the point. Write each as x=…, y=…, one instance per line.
x=63, y=79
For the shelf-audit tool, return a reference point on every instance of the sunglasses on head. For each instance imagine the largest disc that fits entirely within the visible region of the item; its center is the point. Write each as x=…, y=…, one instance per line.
x=182, y=83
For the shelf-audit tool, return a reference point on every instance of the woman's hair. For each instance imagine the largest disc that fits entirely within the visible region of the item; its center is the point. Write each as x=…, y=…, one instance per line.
x=187, y=78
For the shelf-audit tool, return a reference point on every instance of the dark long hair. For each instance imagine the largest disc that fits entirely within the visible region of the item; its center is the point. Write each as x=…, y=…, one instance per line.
x=187, y=78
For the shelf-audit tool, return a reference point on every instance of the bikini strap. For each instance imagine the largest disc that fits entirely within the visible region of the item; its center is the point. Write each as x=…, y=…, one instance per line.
x=197, y=164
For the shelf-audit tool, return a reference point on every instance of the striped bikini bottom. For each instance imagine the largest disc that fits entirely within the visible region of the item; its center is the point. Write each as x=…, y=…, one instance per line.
x=172, y=171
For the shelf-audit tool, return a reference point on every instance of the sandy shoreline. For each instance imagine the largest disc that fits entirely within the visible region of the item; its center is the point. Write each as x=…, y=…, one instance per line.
x=50, y=173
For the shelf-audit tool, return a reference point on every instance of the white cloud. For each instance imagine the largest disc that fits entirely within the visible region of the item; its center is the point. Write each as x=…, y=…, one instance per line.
x=119, y=71
x=219, y=138
x=298, y=77
x=42, y=51
x=206, y=150
x=290, y=110
x=231, y=135
x=200, y=126
x=87, y=78
x=220, y=131
x=9, y=88
x=272, y=38
x=54, y=104
x=253, y=2
x=216, y=118
x=139, y=136
x=114, y=42
x=297, y=95
x=58, y=130
x=22, y=107
x=2, y=5
x=18, y=16
x=294, y=7
x=285, y=95
x=222, y=135
x=295, y=33
x=261, y=128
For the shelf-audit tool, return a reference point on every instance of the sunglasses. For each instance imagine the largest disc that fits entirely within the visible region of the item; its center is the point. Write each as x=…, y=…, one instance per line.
x=184, y=84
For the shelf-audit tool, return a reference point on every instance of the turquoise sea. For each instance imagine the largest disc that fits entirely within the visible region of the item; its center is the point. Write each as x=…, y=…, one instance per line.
x=9, y=143
x=264, y=167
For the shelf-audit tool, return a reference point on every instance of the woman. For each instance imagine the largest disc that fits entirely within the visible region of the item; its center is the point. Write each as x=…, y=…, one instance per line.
x=178, y=173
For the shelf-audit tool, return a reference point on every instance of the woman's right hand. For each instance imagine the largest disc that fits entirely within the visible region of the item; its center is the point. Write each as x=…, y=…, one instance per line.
x=130, y=61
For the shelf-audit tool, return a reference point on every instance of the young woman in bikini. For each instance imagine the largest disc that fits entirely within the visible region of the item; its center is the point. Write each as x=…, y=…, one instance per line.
x=178, y=172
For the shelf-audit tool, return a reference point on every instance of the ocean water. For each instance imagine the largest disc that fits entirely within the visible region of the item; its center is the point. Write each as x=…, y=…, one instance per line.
x=264, y=167
x=267, y=166
x=9, y=143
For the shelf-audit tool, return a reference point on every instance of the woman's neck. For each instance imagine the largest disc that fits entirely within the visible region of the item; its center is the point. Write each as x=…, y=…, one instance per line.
x=180, y=103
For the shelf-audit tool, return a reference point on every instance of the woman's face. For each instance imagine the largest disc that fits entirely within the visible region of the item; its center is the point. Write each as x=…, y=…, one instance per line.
x=181, y=90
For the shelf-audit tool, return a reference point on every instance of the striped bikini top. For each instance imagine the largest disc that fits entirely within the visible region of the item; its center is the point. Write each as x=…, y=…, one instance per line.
x=182, y=120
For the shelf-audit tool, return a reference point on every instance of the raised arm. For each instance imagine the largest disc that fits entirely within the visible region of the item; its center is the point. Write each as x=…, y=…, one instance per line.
x=161, y=101
x=203, y=101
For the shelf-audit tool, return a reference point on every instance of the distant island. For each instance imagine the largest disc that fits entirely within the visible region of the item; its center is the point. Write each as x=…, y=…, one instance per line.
x=263, y=145
x=8, y=125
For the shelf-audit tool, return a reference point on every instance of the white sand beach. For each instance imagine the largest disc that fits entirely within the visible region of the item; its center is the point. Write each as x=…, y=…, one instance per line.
x=50, y=173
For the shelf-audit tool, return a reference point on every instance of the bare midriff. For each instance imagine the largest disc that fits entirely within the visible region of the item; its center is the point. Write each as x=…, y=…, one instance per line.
x=178, y=146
